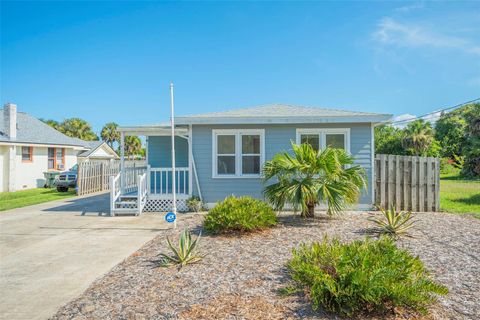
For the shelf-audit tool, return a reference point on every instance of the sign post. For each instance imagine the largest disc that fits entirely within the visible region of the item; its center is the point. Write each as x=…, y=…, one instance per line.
x=174, y=173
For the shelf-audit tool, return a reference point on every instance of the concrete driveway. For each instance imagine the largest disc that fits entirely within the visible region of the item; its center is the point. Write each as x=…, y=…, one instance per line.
x=50, y=253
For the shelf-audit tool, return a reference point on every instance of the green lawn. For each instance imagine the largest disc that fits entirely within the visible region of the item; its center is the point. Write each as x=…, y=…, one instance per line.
x=11, y=200
x=460, y=196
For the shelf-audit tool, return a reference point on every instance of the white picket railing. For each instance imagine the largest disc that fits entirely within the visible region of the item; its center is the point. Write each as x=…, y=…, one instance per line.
x=115, y=191
x=142, y=192
x=129, y=179
x=161, y=181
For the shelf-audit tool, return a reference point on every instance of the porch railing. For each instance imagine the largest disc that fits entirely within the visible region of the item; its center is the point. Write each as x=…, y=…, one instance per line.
x=161, y=181
x=115, y=191
x=142, y=192
x=130, y=183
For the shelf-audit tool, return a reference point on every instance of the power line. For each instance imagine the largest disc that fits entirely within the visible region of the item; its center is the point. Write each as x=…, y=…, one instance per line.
x=441, y=110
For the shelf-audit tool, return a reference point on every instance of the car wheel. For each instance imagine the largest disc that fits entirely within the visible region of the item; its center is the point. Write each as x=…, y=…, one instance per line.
x=61, y=189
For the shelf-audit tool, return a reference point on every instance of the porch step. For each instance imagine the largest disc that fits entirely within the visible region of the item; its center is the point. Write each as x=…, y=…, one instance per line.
x=128, y=203
x=121, y=211
x=131, y=198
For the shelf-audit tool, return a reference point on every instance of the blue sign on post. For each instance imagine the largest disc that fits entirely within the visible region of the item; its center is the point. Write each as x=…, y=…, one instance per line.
x=170, y=217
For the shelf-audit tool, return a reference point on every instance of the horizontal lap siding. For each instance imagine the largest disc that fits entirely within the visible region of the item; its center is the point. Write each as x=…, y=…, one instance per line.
x=277, y=139
x=159, y=152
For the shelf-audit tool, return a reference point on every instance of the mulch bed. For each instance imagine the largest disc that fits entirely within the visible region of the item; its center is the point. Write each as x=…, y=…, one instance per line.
x=240, y=276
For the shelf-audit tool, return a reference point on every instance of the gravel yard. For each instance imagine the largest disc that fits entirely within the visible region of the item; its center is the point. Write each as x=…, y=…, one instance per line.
x=240, y=276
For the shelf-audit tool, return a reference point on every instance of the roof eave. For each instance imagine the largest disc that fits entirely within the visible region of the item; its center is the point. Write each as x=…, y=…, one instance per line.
x=282, y=120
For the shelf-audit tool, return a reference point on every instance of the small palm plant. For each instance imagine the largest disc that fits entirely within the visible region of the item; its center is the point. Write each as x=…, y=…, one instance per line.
x=186, y=253
x=309, y=177
x=394, y=223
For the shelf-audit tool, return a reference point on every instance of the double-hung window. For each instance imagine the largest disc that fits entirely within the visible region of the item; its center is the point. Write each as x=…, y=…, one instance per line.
x=322, y=138
x=238, y=153
x=27, y=154
x=56, y=158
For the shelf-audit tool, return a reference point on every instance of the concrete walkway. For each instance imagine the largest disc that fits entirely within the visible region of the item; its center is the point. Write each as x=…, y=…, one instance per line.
x=50, y=253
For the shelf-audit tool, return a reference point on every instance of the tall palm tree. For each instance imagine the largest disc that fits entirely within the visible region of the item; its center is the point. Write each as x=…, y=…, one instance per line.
x=77, y=128
x=418, y=137
x=110, y=133
x=308, y=178
x=133, y=146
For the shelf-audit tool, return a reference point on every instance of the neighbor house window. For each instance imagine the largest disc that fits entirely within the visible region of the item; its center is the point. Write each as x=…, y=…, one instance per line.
x=322, y=138
x=56, y=158
x=237, y=153
x=27, y=154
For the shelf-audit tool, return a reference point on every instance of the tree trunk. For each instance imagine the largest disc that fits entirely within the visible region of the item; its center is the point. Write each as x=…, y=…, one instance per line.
x=310, y=212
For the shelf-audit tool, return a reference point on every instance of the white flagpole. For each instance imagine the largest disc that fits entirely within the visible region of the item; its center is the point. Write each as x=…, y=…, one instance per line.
x=174, y=176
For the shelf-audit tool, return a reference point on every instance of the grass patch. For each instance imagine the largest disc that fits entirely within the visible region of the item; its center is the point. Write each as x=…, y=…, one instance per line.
x=458, y=195
x=23, y=198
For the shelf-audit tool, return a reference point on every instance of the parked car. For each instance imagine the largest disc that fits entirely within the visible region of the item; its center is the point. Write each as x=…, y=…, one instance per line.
x=67, y=179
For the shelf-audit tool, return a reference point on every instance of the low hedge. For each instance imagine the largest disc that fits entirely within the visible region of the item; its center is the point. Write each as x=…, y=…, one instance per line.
x=244, y=214
x=362, y=277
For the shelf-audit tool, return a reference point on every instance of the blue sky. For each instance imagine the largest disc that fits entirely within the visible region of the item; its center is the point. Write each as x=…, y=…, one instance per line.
x=112, y=61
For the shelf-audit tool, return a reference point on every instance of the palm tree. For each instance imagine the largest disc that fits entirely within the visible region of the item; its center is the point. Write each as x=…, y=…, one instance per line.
x=418, y=137
x=308, y=178
x=77, y=128
x=110, y=133
x=133, y=146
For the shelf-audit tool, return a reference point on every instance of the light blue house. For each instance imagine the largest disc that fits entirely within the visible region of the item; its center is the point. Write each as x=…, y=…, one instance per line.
x=222, y=153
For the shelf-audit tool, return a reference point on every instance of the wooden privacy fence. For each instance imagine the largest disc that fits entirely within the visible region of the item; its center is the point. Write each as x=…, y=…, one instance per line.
x=93, y=176
x=407, y=182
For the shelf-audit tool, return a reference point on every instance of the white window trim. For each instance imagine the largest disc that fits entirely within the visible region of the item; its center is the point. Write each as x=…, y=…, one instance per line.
x=322, y=132
x=238, y=152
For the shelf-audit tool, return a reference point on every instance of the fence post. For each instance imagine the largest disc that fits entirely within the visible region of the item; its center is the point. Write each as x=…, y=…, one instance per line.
x=139, y=194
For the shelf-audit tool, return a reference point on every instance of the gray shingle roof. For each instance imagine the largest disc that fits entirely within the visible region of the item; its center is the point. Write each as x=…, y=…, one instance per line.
x=32, y=130
x=274, y=113
x=281, y=110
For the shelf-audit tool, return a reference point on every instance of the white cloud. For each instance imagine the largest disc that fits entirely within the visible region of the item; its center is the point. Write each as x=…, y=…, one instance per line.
x=410, y=7
x=392, y=32
x=404, y=118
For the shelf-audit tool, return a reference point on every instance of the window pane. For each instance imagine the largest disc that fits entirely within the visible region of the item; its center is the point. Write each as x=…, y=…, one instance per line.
x=312, y=139
x=60, y=163
x=251, y=164
x=25, y=153
x=226, y=165
x=226, y=144
x=335, y=141
x=251, y=144
x=50, y=164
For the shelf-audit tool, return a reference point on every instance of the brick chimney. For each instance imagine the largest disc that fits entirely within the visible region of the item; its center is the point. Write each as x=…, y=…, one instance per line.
x=10, y=115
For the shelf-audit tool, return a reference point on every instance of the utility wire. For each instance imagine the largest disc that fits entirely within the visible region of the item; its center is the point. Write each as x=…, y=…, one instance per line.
x=441, y=110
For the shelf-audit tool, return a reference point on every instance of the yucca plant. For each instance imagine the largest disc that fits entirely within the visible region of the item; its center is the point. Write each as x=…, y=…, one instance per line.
x=394, y=223
x=186, y=253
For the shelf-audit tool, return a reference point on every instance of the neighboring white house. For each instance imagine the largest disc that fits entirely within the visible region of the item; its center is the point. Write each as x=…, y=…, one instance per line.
x=29, y=147
x=99, y=151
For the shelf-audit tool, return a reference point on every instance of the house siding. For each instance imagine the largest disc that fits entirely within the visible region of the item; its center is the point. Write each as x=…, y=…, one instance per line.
x=277, y=139
x=159, y=151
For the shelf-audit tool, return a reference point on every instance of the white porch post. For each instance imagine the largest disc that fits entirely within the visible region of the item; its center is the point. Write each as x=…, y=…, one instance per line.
x=190, y=157
x=122, y=162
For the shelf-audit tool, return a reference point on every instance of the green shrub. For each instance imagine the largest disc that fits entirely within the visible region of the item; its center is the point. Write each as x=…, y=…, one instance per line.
x=362, y=276
x=449, y=167
x=242, y=214
x=194, y=204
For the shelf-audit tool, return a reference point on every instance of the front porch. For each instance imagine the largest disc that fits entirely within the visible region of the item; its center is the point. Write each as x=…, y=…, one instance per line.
x=150, y=188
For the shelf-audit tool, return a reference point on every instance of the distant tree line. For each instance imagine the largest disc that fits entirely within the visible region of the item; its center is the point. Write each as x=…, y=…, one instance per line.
x=81, y=129
x=455, y=137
